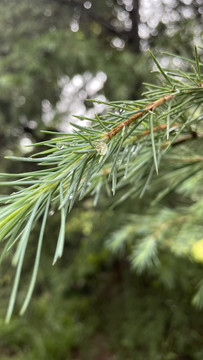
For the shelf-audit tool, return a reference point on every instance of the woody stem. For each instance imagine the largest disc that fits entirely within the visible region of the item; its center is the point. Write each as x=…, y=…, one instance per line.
x=151, y=107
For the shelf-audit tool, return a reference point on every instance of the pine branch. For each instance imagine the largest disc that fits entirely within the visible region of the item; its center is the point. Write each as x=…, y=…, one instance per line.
x=121, y=149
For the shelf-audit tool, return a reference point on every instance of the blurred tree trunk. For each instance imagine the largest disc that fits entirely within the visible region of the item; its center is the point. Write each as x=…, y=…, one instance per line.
x=134, y=38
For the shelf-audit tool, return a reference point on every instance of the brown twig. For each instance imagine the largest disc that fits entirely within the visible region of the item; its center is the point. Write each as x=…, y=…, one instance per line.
x=157, y=128
x=183, y=138
x=151, y=107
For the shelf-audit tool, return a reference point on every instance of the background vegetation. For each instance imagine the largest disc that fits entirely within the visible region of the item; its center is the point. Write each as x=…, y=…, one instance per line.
x=92, y=304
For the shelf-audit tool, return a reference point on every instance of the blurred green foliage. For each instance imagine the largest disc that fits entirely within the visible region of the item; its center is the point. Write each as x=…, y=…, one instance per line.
x=92, y=306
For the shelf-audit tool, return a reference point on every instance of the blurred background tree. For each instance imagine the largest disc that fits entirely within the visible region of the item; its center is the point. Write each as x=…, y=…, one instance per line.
x=53, y=56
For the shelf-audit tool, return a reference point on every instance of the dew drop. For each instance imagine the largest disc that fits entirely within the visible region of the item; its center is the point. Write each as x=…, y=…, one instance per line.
x=101, y=148
x=51, y=213
x=59, y=145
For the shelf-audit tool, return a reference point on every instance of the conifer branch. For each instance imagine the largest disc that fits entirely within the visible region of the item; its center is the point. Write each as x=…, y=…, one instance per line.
x=109, y=155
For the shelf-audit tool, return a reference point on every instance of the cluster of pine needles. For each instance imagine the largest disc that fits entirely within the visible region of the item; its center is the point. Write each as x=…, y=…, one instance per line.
x=122, y=152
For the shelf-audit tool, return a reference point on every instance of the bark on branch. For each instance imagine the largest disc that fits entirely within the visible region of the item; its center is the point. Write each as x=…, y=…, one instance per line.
x=151, y=107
